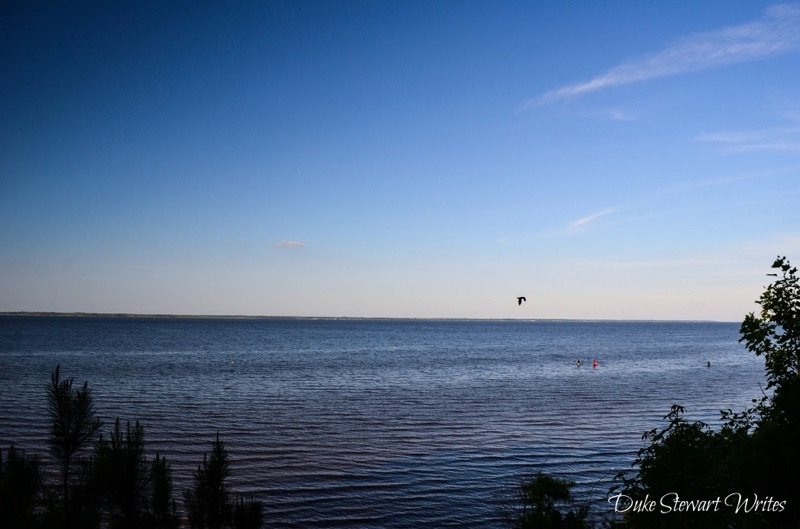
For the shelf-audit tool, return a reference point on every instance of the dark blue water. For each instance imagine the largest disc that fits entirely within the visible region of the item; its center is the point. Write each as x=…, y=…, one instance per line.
x=380, y=423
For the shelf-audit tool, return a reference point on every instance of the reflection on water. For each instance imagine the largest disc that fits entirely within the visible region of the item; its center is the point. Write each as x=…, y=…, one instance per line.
x=380, y=423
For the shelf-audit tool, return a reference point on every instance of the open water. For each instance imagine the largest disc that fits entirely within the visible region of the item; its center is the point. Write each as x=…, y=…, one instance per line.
x=380, y=423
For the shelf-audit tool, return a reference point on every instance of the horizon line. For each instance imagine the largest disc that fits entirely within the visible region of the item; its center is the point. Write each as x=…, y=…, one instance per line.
x=136, y=315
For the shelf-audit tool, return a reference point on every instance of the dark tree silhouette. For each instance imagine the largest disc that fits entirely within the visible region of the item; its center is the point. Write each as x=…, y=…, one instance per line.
x=545, y=502
x=753, y=456
x=208, y=501
x=770, y=454
x=775, y=332
x=123, y=475
x=162, y=513
x=247, y=514
x=20, y=486
x=72, y=425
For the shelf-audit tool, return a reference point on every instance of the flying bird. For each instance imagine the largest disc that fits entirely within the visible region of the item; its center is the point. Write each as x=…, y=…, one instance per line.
x=520, y=300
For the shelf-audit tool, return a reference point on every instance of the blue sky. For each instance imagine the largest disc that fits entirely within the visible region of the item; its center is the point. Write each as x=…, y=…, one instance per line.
x=630, y=160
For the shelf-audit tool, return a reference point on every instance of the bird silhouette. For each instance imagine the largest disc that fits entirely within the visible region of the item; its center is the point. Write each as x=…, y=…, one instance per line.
x=520, y=300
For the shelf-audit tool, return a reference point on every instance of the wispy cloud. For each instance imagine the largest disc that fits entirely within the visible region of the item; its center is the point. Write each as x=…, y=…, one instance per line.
x=291, y=245
x=729, y=255
x=785, y=139
x=620, y=115
x=613, y=115
x=776, y=32
x=582, y=223
x=705, y=183
x=641, y=264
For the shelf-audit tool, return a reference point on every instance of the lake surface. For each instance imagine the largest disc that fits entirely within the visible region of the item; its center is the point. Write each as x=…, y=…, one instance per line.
x=380, y=423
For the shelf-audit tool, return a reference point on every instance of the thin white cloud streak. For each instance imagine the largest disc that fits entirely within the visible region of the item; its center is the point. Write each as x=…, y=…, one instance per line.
x=746, y=256
x=704, y=183
x=786, y=139
x=613, y=115
x=572, y=228
x=766, y=147
x=619, y=115
x=598, y=264
x=777, y=32
x=291, y=245
x=783, y=243
x=584, y=222
x=655, y=204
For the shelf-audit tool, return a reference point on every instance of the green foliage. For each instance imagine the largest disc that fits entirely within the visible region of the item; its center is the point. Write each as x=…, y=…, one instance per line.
x=72, y=426
x=122, y=475
x=135, y=493
x=208, y=501
x=753, y=456
x=162, y=513
x=116, y=488
x=684, y=460
x=247, y=514
x=20, y=486
x=72, y=417
x=775, y=332
x=542, y=499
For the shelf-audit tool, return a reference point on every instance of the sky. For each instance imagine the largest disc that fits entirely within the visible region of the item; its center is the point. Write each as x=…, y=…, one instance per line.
x=607, y=160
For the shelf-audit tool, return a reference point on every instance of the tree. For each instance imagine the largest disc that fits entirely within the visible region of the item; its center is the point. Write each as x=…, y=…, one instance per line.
x=123, y=475
x=72, y=426
x=20, y=486
x=775, y=332
x=162, y=514
x=135, y=493
x=247, y=514
x=684, y=460
x=208, y=501
x=541, y=503
x=754, y=454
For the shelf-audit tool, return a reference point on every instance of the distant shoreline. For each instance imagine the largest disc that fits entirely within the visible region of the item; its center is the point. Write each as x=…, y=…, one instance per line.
x=130, y=315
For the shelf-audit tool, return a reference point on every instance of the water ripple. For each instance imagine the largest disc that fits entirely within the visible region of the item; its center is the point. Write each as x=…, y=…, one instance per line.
x=392, y=424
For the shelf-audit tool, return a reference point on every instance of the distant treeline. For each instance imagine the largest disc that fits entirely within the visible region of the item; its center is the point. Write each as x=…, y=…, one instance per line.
x=131, y=315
